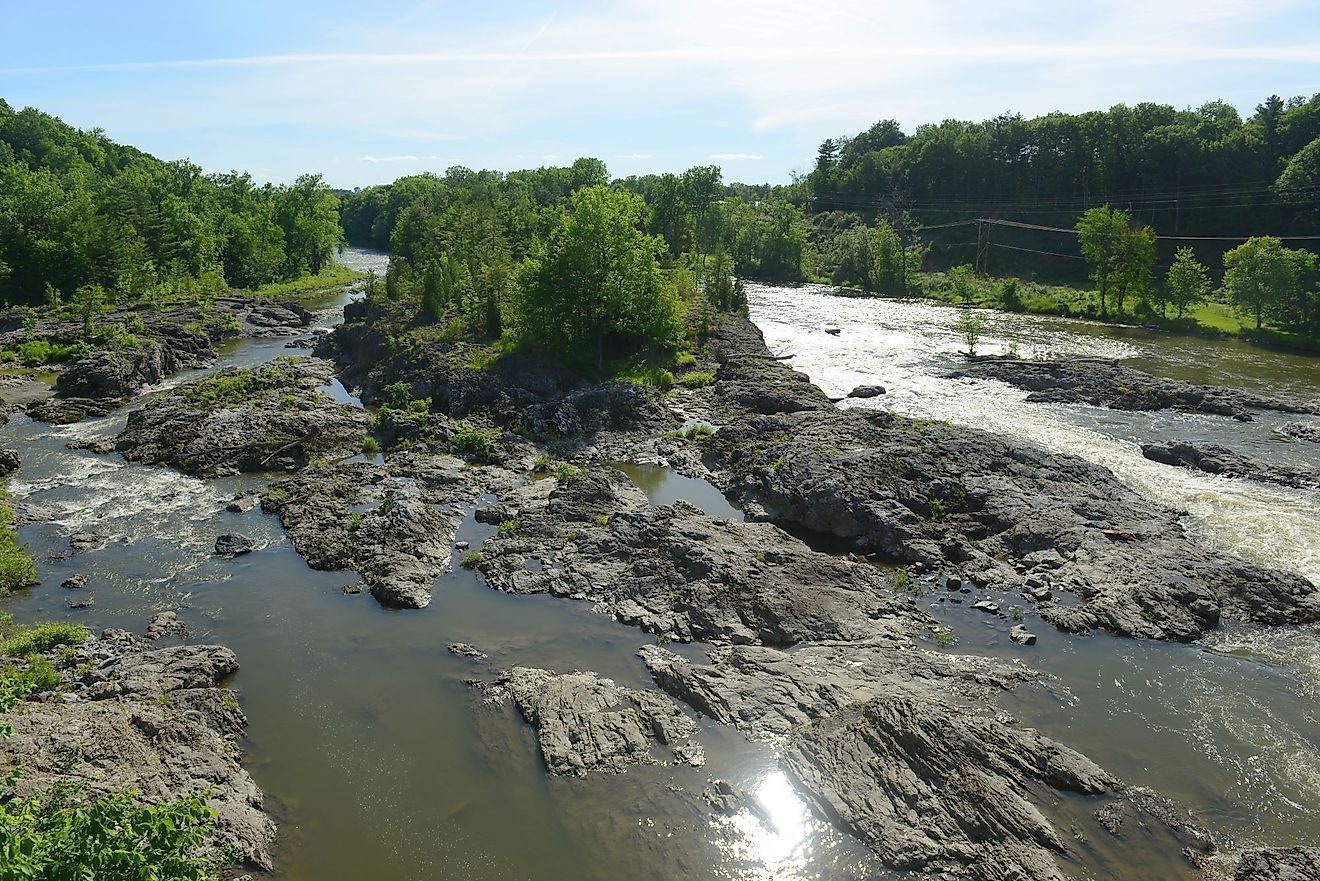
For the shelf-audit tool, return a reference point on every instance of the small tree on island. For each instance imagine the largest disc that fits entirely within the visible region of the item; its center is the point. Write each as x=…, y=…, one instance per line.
x=969, y=325
x=598, y=276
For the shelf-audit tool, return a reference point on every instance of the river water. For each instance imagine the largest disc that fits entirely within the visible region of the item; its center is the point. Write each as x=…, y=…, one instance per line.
x=380, y=761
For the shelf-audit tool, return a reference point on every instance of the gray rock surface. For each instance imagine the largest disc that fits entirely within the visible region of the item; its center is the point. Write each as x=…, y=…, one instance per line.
x=867, y=391
x=164, y=625
x=1110, y=384
x=266, y=419
x=231, y=544
x=586, y=723
x=1306, y=431
x=393, y=524
x=674, y=570
x=901, y=746
x=1269, y=864
x=1214, y=459
x=998, y=510
x=152, y=719
x=9, y=462
x=120, y=375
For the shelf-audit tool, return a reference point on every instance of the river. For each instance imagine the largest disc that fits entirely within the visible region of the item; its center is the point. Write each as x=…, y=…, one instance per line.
x=380, y=761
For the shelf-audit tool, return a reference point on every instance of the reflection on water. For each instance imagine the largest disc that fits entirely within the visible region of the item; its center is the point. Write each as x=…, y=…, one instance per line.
x=664, y=486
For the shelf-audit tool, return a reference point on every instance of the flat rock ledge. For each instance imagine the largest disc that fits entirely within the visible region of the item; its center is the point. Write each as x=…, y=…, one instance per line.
x=393, y=524
x=1103, y=383
x=901, y=746
x=588, y=724
x=1214, y=459
x=272, y=418
x=131, y=715
x=1305, y=431
x=674, y=570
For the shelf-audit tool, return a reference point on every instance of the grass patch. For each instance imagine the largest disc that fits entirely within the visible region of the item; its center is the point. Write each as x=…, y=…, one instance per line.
x=225, y=388
x=697, y=432
x=42, y=638
x=16, y=567
x=332, y=276
x=698, y=379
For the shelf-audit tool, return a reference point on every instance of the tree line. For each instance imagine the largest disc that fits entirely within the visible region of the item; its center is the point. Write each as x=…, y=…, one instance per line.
x=79, y=212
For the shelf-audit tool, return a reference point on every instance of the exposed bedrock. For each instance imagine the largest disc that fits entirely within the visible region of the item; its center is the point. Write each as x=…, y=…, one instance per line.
x=1214, y=459
x=992, y=508
x=1103, y=383
x=271, y=418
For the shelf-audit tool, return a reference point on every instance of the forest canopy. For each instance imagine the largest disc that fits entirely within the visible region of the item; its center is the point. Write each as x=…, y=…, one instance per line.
x=79, y=210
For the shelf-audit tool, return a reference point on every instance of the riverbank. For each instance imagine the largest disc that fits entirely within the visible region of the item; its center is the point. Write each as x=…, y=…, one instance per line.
x=1212, y=319
x=563, y=537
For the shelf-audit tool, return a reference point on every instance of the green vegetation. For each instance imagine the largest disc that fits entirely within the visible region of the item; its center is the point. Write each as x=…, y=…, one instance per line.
x=471, y=560
x=508, y=527
x=470, y=441
x=969, y=326
x=1264, y=279
x=696, y=432
x=1120, y=256
x=16, y=567
x=698, y=379
x=370, y=446
x=228, y=388
x=42, y=638
x=92, y=221
x=597, y=278
x=1188, y=282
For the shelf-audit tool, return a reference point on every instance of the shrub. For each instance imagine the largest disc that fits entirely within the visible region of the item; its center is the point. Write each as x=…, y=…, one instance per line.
x=16, y=567
x=370, y=446
x=34, y=675
x=354, y=522
x=685, y=359
x=474, y=443
x=697, y=432
x=508, y=527
x=397, y=395
x=43, y=638
x=698, y=379
x=566, y=472
x=471, y=560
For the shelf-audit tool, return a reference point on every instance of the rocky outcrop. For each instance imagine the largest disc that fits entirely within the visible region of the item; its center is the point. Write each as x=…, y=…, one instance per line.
x=273, y=418
x=234, y=545
x=674, y=570
x=993, y=509
x=1110, y=384
x=1306, y=431
x=902, y=747
x=519, y=390
x=130, y=715
x=867, y=391
x=1214, y=459
x=393, y=524
x=1268, y=864
x=9, y=462
x=122, y=374
x=588, y=724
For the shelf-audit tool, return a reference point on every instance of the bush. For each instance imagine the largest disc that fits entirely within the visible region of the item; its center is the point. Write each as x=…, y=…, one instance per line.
x=685, y=359
x=43, y=638
x=16, y=567
x=697, y=432
x=397, y=395
x=471, y=560
x=58, y=834
x=35, y=675
x=474, y=443
x=370, y=446
x=698, y=379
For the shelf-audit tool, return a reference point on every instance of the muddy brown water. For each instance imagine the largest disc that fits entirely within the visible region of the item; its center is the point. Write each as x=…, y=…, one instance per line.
x=381, y=761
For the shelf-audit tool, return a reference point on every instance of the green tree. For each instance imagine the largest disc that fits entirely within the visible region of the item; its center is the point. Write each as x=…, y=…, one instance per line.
x=1261, y=277
x=969, y=325
x=1187, y=281
x=1121, y=257
x=962, y=282
x=597, y=279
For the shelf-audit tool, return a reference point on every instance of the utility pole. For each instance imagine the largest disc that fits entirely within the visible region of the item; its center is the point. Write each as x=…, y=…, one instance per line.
x=983, y=246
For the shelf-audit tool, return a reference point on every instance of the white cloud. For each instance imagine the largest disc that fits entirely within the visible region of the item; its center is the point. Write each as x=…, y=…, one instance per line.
x=736, y=157
x=635, y=156
x=413, y=134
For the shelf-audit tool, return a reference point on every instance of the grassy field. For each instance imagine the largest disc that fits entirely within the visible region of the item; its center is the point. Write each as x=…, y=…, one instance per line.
x=330, y=277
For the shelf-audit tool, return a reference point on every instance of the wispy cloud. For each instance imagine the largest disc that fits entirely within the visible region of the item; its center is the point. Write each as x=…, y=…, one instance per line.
x=635, y=156
x=408, y=158
x=736, y=157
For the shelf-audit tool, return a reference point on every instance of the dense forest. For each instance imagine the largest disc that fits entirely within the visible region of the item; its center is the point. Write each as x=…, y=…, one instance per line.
x=1185, y=173
x=80, y=212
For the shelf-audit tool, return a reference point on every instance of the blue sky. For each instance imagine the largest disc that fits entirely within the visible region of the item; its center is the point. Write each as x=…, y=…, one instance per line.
x=367, y=92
